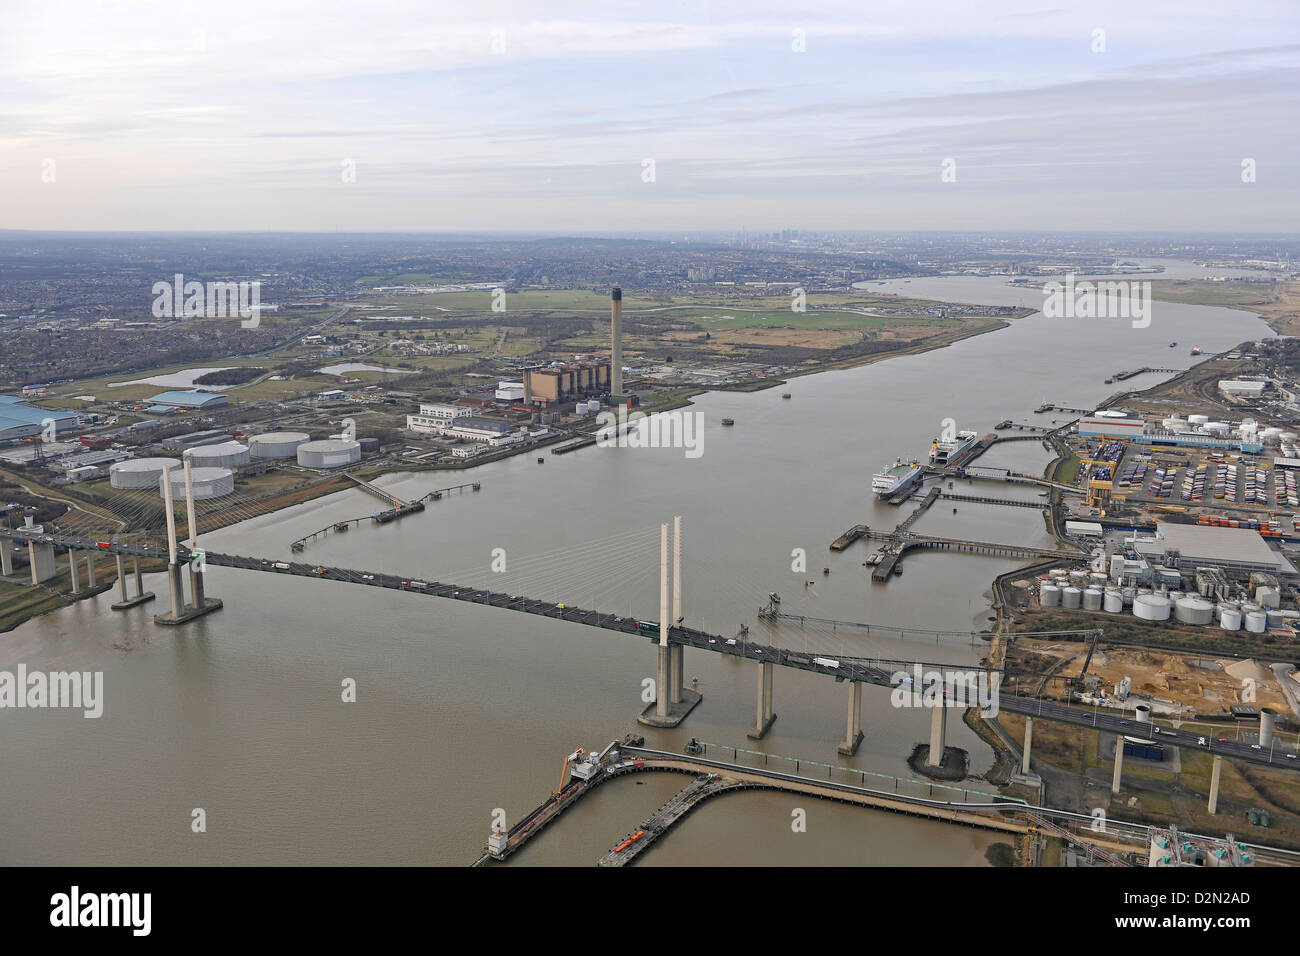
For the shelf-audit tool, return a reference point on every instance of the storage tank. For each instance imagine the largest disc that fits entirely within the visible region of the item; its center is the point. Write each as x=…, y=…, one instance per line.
x=1216, y=428
x=1129, y=595
x=1267, y=716
x=1151, y=607
x=1230, y=619
x=1274, y=618
x=1092, y=599
x=329, y=453
x=1099, y=579
x=1142, y=713
x=136, y=473
x=1071, y=597
x=1256, y=622
x=368, y=445
x=276, y=444
x=205, y=482
x=226, y=455
x=1049, y=595
x=1079, y=578
x=1194, y=610
x=1198, y=419
x=1113, y=602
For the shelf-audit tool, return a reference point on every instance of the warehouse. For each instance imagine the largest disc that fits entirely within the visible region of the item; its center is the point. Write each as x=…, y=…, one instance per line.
x=20, y=420
x=189, y=400
x=1190, y=546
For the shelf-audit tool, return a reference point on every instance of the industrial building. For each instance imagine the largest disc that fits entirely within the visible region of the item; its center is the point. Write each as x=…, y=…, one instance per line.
x=189, y=400
x=329, y=453
x=20, y=420
x=436, y=416
x=211, y=436
x=1190, y=546
x=509, y=391
x=563, y=382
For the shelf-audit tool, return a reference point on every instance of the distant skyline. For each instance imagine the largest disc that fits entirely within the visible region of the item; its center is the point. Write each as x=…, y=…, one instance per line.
x=514, y=116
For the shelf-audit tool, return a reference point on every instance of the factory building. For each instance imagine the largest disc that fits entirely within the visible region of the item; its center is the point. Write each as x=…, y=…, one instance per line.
x=509, y=391
x=1191, y=546
x=189, y=400
x=436, y=416
x=20, y=420
x=570, y=381
x=211, y=436
x=1111, y=425
x=1238, y=388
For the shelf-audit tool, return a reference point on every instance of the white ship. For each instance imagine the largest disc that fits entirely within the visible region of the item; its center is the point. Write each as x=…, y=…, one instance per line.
x=895, y=478
x=951, y=452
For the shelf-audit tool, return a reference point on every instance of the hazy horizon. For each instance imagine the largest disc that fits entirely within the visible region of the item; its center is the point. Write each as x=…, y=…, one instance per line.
x=408, y=117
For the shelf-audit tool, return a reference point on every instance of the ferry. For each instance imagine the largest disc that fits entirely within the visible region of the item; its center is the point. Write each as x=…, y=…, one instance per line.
x=895, y=478
x=951, y=452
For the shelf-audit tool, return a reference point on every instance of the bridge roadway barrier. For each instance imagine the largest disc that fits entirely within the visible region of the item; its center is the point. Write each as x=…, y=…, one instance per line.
x=876, y=671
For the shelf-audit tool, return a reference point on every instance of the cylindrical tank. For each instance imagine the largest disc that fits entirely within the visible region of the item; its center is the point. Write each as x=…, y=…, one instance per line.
x=1142, y=713
x=1198, y=419
x=1275, y=618
x=276, y=444
x=1194, y=610
x=1099, y=579
x=1216, y=428
x=368, y=445
x=226, y=455
x=1175, y=596
x=1113, y=602
x=1256, y=622
x=1230, y=619
x=329, y=453
x=1267, y=715
x=1078, y=578
x=1092, y=599
x=1151, y=607
x=1049, y=595
x=1248, y=607
x=1129, y=595
x=136, y=473
x=205, y=482
x=1071, y=597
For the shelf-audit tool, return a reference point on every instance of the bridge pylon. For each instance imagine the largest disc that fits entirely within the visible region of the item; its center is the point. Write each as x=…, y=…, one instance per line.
x=673, y=701
x=180, y=612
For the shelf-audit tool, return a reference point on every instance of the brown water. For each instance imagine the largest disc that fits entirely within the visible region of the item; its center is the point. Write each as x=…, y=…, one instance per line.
x=464, y=709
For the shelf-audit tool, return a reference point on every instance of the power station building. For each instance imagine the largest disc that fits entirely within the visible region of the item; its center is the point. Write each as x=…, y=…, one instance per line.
x=571, y=381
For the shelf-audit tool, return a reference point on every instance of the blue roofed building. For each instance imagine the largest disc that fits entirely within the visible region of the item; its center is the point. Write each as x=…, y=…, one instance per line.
x=20, y=420
x=189, y=400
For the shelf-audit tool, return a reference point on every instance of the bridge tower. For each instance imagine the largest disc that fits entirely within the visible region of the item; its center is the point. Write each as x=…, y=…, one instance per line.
x=672, y=700
x=181, y=612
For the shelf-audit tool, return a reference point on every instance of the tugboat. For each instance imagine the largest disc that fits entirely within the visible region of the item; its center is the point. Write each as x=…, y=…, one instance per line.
x=1196, y=351
x=1173, y=345
x=728, y=421
x=785, y=394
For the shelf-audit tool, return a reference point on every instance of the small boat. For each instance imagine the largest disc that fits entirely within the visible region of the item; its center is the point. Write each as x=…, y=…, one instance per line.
x=1173, y=345
x=728, y=421
x=898, y=568
x=785, y=394
x=1196, y=351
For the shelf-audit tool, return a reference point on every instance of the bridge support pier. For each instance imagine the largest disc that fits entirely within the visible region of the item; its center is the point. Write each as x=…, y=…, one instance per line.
x=72, y=572
x=1214, y=784
x=40, y=555
x=676, y=663
x=6, y=557
x=938, y=734
x=1029, y=738
x=91, y=582
x=1119, y=763
x=672, y=701
x=181, y=612
x=128, y=601
x=853, y=731
x=765, y=717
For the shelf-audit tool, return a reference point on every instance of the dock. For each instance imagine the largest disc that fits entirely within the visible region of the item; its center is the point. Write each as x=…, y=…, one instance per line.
x=398, y=509
x=658, y=823
x=848, y=537
x=1068, y=409
x=990, y=500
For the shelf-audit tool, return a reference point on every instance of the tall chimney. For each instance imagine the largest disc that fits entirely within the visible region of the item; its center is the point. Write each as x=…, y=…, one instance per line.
x=616, y=340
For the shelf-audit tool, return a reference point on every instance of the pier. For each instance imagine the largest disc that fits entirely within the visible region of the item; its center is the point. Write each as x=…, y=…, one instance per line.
x=990, y=500
x=848, y=537
x=399, y=509
x=1068, y=409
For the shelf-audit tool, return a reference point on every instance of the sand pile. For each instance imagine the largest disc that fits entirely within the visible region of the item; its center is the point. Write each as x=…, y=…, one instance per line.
x=1247, y=669
x=1175, y=665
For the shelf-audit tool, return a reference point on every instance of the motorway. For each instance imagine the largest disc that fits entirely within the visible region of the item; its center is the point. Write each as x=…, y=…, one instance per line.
x=879, y=672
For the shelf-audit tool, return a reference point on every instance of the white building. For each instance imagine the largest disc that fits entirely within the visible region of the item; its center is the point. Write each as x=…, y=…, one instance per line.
x=1243, y=388
x=510, y=391
x=436, y=417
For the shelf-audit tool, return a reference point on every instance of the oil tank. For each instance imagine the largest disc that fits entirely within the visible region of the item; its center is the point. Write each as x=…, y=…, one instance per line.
x=368, y=445
x=1079, y=578
x=1049, y=595
x=1142, y=713
x=1256, y=622
x=136, y=473
x=226, y=455
x=1267, y=715
x=1151, y=607
x=329, y=453
x=205, y=482
x=1194, y=610
x=1113, y=602
x=1071, y=597
x=276, y=444
x=1230, y=619
x=1198, y=419
x=1092, y=599
x=1275, y=618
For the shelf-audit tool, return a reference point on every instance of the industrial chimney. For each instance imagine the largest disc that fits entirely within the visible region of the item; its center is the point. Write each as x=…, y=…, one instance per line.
x=616, y=341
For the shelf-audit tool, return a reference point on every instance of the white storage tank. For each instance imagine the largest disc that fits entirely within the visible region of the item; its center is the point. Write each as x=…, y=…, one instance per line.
x=1151, y=607
x=136, y=473
x=1230, y=619
x=1198, y=419
x=277, y=444
x=1071, y=597
x=1049, y=595
x=1113, y=602
x=1194, y=610
x=1275, y=618
x=329, y=453
x=1092, y=599
x=1079, y=578
x=226, y=455
x=205, y=482
x=1216, y=428
x=1256, y=622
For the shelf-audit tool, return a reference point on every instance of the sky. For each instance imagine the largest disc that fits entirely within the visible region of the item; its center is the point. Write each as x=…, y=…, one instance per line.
x=564, y=117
